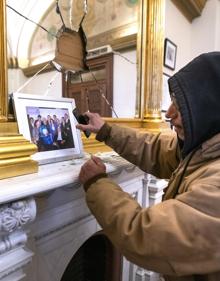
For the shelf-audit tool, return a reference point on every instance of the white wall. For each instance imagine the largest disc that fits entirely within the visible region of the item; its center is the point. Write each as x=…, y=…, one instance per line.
x=49, y=83
x=217, y=36
x=178, y=30
x=124, y=84
x=16, y=78
x=205, y=29
x=192, y=39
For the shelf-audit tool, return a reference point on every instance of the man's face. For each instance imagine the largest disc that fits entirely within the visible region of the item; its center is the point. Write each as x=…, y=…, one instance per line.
x=175, y=118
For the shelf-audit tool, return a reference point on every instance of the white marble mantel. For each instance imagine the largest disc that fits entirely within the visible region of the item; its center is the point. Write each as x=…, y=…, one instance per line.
x=43, y=217
x=53, y=176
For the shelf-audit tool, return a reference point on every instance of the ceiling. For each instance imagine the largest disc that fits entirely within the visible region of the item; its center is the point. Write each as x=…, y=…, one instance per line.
x=19, y=30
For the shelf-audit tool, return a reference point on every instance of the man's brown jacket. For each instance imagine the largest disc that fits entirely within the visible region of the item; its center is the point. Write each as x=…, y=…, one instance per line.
x=179, y=237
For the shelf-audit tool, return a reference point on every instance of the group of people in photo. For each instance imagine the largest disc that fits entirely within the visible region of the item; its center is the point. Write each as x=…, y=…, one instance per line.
x=51, y=132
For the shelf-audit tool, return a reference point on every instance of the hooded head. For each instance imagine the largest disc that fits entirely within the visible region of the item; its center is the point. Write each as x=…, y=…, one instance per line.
x=197, y=91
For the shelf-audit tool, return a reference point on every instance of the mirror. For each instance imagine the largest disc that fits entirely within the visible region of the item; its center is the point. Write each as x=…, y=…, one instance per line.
x=111, y=27
x=150, y=66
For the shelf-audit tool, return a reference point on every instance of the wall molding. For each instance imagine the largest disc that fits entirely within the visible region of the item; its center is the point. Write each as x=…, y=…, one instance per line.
x=190, y=8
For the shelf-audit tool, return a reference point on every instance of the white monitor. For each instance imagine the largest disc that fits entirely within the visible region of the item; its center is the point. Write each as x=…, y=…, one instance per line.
x=49, y=123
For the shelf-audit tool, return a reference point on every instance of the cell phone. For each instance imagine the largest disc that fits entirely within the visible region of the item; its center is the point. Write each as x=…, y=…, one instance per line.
x=82, y=119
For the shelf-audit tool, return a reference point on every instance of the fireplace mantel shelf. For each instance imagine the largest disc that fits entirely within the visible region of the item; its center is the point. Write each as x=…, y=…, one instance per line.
x=53, y=176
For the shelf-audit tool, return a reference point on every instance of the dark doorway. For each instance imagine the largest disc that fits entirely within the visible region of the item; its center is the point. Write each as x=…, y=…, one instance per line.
x=96, y=260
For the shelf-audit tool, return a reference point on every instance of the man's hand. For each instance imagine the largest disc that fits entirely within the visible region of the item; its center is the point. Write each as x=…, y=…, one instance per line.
x=95, y=123
x=92, y=168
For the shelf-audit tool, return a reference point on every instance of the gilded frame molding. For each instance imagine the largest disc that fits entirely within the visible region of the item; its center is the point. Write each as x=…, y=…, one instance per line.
x=3, y=59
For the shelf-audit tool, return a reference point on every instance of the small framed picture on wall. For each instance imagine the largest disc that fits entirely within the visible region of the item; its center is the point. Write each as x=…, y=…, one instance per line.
x=170, y=50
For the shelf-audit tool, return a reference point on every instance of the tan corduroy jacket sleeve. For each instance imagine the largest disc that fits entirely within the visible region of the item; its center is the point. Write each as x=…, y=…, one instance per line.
x=156, y=154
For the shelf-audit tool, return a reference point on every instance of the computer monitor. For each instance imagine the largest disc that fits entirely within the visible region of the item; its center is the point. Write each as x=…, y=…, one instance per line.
x=49, y=123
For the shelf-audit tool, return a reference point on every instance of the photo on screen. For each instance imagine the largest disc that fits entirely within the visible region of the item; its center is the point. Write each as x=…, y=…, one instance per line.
x=50, y=128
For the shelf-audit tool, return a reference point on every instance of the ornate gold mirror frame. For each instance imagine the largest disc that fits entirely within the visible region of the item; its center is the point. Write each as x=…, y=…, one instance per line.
x=3, y=77
x=150, y=62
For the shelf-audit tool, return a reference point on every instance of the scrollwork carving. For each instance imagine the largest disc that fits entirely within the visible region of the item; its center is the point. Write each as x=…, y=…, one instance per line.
x=12, y=240
x=17, y=214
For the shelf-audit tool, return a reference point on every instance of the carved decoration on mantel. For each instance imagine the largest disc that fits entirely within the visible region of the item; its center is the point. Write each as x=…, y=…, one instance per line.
x=16, y=214
x=190, y=8
x=12, y=240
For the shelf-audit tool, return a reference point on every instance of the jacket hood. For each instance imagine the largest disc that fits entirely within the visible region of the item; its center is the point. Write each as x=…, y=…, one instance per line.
x=197, y=90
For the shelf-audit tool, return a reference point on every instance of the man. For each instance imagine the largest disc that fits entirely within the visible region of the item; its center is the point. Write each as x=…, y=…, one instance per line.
x=179, y=237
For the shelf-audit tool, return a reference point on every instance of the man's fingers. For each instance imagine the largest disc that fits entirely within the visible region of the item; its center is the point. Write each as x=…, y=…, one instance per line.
x=99, y=163
x=91, y=168
x=82, y=127
x=90, y=114
x=87, y=165
x=96, y=159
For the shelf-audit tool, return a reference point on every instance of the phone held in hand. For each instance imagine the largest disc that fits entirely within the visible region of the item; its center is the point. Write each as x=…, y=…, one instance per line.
x=82, y=119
